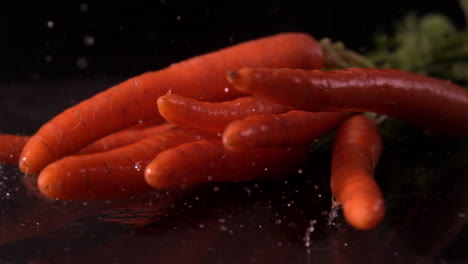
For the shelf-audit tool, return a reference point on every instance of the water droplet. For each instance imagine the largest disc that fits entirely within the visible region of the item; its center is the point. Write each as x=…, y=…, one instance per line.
x=178, y=17
x=222, y=220
x=209, y=178
x=82, y=63
x=50, y=24
x=278, y=221
x=85, y=203
x=48, y=58
x=300, y=171
x=226, y=89
x=83, y=7
x=266, y=169
x=247, y=190
x=216, y=189
x=88, y=40
x=138, y=166
x=223, y=228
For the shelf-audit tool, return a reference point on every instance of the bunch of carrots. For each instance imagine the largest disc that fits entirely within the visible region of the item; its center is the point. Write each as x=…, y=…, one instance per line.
x=241, y=113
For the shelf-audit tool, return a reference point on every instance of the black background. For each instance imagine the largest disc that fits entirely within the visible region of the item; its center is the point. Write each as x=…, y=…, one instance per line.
x=131, y=37
x=423, y=178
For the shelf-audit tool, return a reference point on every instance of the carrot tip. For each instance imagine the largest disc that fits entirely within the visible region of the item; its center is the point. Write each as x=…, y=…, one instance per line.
x=24, y=166
x=232, y=76
x=157, y=179
x=364, y=214
x=151, y=177
x=237, y=138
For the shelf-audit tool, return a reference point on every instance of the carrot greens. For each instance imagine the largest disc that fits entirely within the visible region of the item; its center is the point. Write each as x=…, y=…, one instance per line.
x=431, y=44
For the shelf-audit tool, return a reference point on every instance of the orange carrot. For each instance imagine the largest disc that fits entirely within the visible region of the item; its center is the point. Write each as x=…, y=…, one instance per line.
x=205, y=161
x=124, y=137
x=201, y=77
x=11, y=147
x=356, y=152
x=112, y=174
x=433, y=104
x=292, y=128
x=187, y=112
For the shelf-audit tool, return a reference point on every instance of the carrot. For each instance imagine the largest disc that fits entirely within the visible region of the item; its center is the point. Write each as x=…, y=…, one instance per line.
x=433, y=104
x=123, y=105
x=124, y=137
x=292, y=128
x=356, y=151
x=112, y=174
x=11, y=147
x=187, y=112
x=205, y=161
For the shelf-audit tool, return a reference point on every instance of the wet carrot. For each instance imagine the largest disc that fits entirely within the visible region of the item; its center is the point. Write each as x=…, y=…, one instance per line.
x=435, y=105
x=124, y=137
x=206, y=161
x=215, y=116
x=11, y=147
x=356, y=151
x=288, y=129
x=112, y=174
x=121, y=106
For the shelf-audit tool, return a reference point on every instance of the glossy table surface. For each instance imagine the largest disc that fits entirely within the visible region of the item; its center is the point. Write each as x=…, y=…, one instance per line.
x=424, y=180
x=57, y=53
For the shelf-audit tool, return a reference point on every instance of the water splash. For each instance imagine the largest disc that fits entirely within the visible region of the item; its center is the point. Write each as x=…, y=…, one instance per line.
x=333, y=215
x=309, y=230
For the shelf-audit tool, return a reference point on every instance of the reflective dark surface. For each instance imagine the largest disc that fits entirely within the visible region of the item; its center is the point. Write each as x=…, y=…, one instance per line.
x=424, y=178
